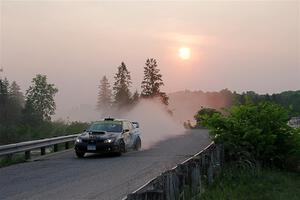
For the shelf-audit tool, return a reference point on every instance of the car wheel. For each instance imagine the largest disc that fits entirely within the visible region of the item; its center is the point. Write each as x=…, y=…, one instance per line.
x=122, y=148
x=138, y=144
x=79, y=154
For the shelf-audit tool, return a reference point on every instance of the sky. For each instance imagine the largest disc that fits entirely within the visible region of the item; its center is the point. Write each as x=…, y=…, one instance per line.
x=239, y=45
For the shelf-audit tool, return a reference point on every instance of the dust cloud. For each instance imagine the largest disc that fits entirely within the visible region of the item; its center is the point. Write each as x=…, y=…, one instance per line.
x=156, y=124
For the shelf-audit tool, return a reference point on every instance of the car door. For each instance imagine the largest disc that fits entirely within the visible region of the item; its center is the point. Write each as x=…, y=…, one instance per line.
x=126, y=135
x=132, y=134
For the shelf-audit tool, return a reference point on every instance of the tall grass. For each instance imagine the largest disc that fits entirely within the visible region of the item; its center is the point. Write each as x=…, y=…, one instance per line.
x=254, y=184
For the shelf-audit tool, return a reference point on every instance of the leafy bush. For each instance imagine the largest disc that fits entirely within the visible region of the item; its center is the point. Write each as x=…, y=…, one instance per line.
x=257, y=134
x=203, y=114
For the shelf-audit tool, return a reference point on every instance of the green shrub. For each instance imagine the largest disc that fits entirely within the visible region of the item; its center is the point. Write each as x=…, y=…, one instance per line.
x=46, y=129
x=256, y=134
x=203, y=114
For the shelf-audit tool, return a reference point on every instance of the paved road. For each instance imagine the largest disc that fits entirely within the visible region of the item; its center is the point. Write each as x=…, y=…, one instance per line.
x=62, y=176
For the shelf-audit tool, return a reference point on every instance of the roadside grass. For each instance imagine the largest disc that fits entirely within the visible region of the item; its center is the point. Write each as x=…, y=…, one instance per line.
x=11, y=159
x=254, y=184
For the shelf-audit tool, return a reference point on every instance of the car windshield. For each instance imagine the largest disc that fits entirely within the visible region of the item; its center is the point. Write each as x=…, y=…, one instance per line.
x=111, y=126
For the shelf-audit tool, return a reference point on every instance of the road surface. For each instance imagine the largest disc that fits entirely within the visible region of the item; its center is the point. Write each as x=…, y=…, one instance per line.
x=63, y=176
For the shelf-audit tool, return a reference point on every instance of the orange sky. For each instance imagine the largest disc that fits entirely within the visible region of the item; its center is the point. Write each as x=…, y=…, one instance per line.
x=237, y=45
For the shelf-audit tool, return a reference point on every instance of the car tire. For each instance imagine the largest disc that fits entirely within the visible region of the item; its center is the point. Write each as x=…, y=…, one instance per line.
x=122, y=148
x=79, y=154
x=138, y=144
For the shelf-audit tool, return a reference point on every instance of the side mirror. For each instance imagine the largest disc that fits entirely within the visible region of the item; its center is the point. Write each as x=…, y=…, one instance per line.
x=135, y=124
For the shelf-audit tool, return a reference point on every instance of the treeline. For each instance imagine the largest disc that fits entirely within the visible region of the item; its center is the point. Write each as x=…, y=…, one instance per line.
x=27, y=117
x=118, y=98
x=184, y=103
x=288, y=99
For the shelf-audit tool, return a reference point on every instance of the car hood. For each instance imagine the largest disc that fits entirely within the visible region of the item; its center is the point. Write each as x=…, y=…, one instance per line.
x=99, y=135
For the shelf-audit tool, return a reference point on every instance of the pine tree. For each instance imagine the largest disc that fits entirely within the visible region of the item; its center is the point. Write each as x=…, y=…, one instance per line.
x=15, y=94
x=104, y=96
x=16, y=102
x=4, y=85
x=121, y=86
x=4, y=100
x=152, y=82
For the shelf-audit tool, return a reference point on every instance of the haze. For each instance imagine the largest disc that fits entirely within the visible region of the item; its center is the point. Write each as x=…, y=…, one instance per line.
x=237, y=45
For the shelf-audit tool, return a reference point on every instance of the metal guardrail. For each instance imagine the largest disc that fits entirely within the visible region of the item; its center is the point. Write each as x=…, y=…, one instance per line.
x=186, y=179
x=42, y=144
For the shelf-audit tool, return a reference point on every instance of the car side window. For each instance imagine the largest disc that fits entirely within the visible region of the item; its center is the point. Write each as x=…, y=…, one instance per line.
x=128, y=126
x=125, y=126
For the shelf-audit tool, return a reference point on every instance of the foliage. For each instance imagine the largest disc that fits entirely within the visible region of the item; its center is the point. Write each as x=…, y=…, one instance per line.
x=45, y=129
x=11, y=159
x=11, y=103
x=152, y=82
x=4, y=101
x=288, y=99
x=152, y=79
x=40, y=98
x=16, y=95
x=203, y=114
x=104, y=96
x=256, y=133
x=15, y=104
x=21, y=123
x=256, y=184
x=121, y=86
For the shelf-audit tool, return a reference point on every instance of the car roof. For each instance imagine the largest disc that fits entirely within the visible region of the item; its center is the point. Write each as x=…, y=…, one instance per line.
x=111, y=120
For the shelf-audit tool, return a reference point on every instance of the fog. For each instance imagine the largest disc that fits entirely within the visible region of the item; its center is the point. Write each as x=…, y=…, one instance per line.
x=239, y=45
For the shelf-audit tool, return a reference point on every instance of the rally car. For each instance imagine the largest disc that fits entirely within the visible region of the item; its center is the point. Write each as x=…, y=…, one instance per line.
x=108, y=136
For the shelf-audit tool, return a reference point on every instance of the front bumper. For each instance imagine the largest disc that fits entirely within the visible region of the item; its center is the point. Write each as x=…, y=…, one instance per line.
x=99, y=148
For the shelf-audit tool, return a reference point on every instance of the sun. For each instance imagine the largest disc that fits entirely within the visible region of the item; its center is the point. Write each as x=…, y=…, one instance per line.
x=184, y=53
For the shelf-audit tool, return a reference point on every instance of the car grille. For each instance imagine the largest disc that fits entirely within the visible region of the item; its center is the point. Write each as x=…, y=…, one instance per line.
x=93, y=141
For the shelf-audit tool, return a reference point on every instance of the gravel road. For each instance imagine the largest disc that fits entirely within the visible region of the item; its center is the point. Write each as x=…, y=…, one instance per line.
x=63, y=176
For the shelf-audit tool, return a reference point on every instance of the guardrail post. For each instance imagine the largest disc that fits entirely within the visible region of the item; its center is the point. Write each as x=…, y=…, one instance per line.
x=67, y=145
x=27, y=155
x=43, y=151
x=55, y=148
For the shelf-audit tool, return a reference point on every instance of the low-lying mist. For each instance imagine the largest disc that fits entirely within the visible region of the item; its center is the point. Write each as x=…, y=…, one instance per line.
x=156, y=124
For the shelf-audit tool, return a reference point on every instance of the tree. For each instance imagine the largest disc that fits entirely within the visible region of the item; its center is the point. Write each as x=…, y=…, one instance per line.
x=15, y=94
x=16, y=102
x=121, y=86
x=203, y=114
x=152, y=82
x=40, y=102
x=104, y=96
x=4, y=99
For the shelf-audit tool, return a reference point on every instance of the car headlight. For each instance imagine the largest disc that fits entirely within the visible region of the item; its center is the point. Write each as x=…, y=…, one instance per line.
x=109, y=140
x=78, y=140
